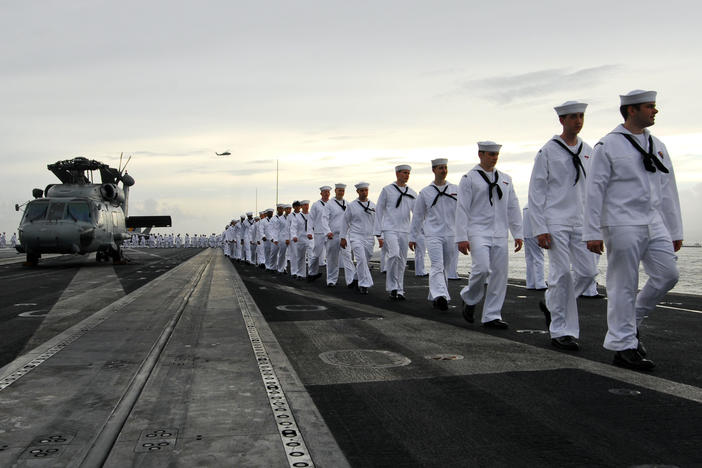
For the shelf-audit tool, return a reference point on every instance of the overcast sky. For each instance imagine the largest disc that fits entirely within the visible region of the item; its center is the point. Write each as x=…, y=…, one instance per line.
x=334, y=91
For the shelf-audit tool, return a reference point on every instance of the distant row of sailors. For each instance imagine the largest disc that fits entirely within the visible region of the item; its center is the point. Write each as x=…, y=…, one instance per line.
x=621, y=194
x=3, y=241
x=156, y=241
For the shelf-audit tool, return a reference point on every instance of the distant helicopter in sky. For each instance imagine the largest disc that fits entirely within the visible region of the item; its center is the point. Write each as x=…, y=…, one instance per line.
x=226, y=153
x=79, y=216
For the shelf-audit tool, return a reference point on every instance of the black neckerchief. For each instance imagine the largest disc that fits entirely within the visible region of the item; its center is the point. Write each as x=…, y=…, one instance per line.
x=367, y=207
x=323, y=204
x=442, y=193
x=343, y=207
x=402, y=194
x=303, y=217
x=491, y=184
x=576, y=159
x=650, y=161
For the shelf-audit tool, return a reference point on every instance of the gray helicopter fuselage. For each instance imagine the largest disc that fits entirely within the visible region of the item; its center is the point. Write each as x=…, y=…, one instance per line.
x=74, y=218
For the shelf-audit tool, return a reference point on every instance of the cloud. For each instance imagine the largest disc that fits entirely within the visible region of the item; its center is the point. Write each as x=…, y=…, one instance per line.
x=513, y=88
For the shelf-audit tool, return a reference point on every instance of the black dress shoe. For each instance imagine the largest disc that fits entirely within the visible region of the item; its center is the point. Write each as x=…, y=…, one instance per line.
x=631, y=359
x=314, y=277
x=596, y=296
x=440, y=303
x=393, y=295
x=565, y=342
x=547, y=313
x=469, y=312
x=496, y=324
x=352, y=284
x=363, y=290
x=331, y=285
x=401, y=297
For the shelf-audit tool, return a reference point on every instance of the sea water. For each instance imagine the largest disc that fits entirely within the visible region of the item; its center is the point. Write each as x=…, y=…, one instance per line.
x=689, y=264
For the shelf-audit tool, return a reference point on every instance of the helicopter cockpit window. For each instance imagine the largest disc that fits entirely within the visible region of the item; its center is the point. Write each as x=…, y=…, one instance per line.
x=56, y=211
x=78, y=212
x=36, y=211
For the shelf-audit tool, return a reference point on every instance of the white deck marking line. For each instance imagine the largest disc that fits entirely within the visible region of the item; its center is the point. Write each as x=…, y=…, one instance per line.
x=290, y=435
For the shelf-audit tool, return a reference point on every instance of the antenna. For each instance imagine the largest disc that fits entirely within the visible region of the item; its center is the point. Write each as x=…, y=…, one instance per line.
x=276, y=182
x=256, y=201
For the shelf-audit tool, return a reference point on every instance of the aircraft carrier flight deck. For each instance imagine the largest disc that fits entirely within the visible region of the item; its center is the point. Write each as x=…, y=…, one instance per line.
x=183, y=358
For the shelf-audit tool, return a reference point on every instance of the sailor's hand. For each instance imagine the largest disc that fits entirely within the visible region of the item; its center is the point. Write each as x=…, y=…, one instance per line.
x=677, y=244
x=342, y=243
x=294, y=239
x=518, y=243
x=310, y=236
x=330, y=235
x=412, y=245
x=595, y=246
x=380, y=242
x=544, y=240
x=287, y=242
x=264, y=239
x=464, y=247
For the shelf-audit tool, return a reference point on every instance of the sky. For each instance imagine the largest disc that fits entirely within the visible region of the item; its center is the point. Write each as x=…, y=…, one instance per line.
x=329, y=91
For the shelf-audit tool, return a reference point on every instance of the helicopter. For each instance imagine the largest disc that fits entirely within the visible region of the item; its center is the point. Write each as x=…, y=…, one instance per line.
x=226, y=153
x=78, y=216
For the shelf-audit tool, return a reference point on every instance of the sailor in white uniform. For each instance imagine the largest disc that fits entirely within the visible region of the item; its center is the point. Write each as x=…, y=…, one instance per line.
x=301, y=235
x=3, y=241
x=247, y=238
x=336, y=208
x=556, y=194
x=283, y=238
x=533, y=256
x=633, y=208
x=319, y=219
x=487, y=208
x=274, y=230
x=356, y=234
x=392, y=223
x=434, y=214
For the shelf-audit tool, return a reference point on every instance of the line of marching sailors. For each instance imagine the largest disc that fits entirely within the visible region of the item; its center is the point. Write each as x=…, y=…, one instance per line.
x=161, y=241
x=622, y=194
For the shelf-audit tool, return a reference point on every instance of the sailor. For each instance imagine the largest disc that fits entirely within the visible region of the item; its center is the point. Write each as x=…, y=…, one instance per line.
x=356, y=234
x=248, y=235
x=3, y=241
x=292, y=246
x=487, y=208
x=187, y=240
x=301, y=234
x=533, y=256
x=435, y=214
x=283, y=238
x=260, y=241
x=337, y=208
x=274, y=231
x=392, y=222
x=226, y=249
x=632, y=207
x=267, y=221
x=556, y=194
x=230, y=238
x=452, y=268
x=319, y=218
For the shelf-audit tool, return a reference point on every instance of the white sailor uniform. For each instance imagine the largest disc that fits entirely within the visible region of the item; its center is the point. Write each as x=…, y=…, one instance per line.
x=336, y=210
x=283, y=237
x=392, y=221
x=637, y=213
x=556, y=195
x=319, y=220
x=483, y=218
x=357, y=228
x=434, y=214
x=300, y=227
